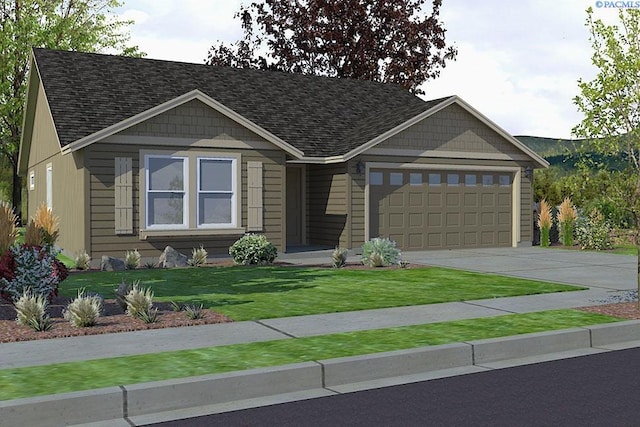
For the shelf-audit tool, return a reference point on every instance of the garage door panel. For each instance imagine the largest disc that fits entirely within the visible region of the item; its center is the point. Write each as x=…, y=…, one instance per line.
x=441, y=209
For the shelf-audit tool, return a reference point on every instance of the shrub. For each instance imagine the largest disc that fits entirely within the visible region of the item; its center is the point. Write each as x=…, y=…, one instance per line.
x=194, y=312
x=8, y=229
x=139, y=301
x=545, y=220
x=176, y=306
x=84, y=310
x=47, y=224
x=198, y=257
x=339, y=257
x=380, y=252
x=30, y=267
x=567, y=216
x=32, y=311
x=132, y=259
x=253, y=249
x=82, y=260
x=593, y=231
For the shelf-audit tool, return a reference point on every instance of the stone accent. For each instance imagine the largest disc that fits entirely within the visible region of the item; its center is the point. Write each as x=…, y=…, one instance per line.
x=108, y=263
x=171, y=258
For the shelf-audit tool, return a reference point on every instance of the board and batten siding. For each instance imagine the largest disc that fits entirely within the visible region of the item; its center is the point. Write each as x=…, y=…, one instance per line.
x=68, y=180
x=100, y=161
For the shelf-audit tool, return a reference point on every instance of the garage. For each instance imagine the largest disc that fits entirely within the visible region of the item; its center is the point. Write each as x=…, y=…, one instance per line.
x=442, y=209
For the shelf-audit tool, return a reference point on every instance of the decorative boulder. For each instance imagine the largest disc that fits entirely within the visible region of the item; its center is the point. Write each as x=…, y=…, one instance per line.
x=171, y=258
x=108, y=263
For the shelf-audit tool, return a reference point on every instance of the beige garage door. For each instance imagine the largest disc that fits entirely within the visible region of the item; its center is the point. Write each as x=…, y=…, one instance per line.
x=425, y=209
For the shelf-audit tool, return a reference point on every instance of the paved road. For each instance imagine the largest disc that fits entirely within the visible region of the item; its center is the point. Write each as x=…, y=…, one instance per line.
x=597, y=390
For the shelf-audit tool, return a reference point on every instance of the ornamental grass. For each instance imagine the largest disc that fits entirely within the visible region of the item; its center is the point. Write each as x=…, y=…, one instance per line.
x=545, y=219
x=8, y=229
x=47, y=222
x=567, y=217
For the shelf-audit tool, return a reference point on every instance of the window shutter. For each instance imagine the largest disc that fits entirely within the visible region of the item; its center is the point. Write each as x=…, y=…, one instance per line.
x=123, y=196
x=254, y=196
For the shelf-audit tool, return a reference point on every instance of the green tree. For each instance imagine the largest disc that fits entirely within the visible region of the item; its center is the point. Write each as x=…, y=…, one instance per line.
x=611, y=107
x=392, y=41
x=83, y=25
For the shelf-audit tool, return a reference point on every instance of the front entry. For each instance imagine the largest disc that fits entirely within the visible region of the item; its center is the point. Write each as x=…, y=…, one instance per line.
x=294, y=206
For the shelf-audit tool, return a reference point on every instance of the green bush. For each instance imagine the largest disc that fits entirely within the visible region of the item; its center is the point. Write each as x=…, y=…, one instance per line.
x=592, y=231
x=253, y=249
x=380, y=252
x=84, y=310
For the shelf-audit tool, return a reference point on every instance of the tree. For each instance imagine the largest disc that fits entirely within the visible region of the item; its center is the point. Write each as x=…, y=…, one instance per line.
x=611, y=107
x=391, y=41
x=84, y=25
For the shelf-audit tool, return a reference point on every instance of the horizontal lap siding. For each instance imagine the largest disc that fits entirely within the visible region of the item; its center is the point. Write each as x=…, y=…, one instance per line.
x=327, y=201
x=104, y=241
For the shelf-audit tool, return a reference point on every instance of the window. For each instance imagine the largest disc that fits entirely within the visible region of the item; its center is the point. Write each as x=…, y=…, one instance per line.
x=375, y=178
x=504, y=180
x=166, y=191
x=487, y=180
x=216, y=192
x=395, y=178
x=453, y=179
x=415, y=179
x=434, y=179
x=470, y=180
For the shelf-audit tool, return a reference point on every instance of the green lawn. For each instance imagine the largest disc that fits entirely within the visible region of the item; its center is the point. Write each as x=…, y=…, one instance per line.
x=246, y=293
x=85, y=375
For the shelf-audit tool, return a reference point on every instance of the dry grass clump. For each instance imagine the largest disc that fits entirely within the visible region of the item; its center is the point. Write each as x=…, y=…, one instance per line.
x=545, y=219
x=47, y=223
x=567, y=217
x=8, y=229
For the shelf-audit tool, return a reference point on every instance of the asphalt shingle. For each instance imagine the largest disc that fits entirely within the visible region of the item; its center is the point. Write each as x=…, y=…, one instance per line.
x=320, y=116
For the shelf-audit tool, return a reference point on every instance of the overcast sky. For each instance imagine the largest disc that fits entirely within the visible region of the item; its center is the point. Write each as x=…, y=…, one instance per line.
x=518, y=61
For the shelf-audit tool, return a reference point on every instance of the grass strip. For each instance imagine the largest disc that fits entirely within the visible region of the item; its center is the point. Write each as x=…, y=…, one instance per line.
x=75, y=376
x=248, y=293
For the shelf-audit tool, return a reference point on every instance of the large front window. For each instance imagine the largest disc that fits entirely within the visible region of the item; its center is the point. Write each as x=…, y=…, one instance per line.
x=166, y=191
x=216, y=192
x=191, y=191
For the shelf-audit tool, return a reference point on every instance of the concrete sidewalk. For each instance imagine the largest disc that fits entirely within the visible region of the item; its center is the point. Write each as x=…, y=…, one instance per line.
x=607, y=276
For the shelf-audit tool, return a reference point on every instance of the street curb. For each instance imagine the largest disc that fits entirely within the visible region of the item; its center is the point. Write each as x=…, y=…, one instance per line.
x=144, y=400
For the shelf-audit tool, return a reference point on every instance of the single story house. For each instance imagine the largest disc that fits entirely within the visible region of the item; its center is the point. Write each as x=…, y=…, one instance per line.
x=139, y=153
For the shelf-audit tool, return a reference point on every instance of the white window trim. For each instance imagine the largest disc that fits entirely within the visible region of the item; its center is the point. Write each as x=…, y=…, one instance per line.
x=185, y=199
x=191, y=228
x=234, y=192
x=32, y=180
x=49, y=185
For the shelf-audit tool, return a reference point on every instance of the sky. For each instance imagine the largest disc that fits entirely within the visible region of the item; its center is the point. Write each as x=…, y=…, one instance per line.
x=518, y=61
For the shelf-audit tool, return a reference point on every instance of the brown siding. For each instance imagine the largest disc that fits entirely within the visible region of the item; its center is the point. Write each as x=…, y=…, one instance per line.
x=452, y=129
x=104, y=241
x=327, y=205
x=68, y=180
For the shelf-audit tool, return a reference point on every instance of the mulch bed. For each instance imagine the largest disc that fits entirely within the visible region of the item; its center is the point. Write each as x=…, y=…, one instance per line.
x=112, y=320
x=624, y=310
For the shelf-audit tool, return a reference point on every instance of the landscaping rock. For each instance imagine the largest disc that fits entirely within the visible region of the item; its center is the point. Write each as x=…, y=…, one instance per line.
x=108, y=263
x=171, y=258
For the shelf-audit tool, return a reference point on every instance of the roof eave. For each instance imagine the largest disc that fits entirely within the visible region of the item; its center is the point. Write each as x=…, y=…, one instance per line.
x=182, y=99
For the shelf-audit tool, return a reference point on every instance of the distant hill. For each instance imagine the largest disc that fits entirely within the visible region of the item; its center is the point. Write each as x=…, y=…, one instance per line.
x=563, y=152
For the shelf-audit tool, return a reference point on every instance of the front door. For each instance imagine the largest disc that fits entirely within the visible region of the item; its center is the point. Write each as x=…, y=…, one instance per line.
x=294, y=206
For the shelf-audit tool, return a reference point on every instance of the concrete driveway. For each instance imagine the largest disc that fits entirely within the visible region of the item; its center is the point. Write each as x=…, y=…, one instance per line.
x=592, y=269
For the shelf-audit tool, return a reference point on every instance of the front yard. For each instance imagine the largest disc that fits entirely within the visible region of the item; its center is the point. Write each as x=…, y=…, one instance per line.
x=247, y=293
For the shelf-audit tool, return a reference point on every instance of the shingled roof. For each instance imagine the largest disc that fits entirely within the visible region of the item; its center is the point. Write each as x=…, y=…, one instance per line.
x=319, y=116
